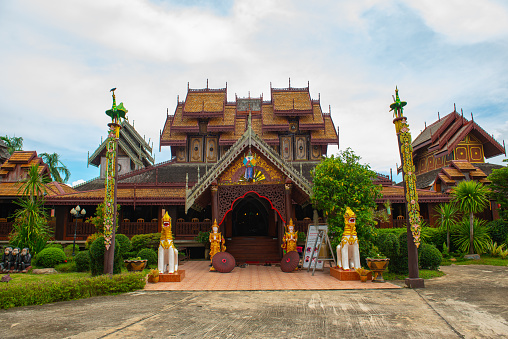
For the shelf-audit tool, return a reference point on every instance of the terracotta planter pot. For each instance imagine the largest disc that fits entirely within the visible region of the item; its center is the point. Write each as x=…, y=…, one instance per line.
x=363, y=278
x=152, y=279
x=378, y=266
x=135, y=265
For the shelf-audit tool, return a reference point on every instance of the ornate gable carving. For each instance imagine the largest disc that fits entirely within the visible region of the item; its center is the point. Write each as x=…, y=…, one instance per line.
x=235, y=172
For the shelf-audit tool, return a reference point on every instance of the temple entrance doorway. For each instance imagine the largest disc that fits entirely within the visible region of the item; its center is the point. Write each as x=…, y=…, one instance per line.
x=254, y=231
x=250, y=218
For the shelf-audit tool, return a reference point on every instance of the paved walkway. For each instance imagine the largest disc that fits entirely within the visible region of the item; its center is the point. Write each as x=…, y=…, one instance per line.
x=258, y=278
x=469, y=302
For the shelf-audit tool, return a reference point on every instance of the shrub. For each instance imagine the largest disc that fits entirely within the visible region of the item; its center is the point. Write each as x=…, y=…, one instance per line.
x=498, y=231
x=55, y=245
x=66, y=267
x=150, y=240
x=388, y=244
x=434, y=236
x=481, y=240
x=90, y=239
x=82, y=260
x=50, y=257
x=38, y=293
x=148, y=254
x=130, y=254
x=429, y=257
x=68, y=250
x=399, y=262
x=97, y=257
x=125, y=243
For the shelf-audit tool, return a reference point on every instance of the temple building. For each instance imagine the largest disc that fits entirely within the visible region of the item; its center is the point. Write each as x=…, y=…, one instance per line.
x=245, y=164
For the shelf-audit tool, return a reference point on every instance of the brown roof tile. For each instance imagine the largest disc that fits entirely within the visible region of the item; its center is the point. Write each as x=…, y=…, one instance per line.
x=285, y=101
x=477, y=173
x=447, y=180
x=22, y=156
x=463, y=165
x=307, y=121
x=271, y=119
x=204, y=101
x=328, y=135
x=453, y=173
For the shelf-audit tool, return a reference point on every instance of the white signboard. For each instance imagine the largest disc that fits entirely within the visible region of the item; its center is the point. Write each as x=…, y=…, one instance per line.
x=312, y=235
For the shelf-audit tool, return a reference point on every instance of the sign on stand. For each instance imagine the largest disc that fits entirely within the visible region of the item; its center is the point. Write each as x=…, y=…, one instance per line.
x=312, y=249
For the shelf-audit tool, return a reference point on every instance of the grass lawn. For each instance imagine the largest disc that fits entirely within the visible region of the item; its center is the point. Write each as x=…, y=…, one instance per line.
x=484, y=260
x=425, y=274
x=20, y=278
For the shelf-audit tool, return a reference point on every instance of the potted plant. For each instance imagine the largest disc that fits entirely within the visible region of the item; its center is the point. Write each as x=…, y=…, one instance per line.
x=135, y=264
x=153, y=276
x=378, y=265
x=204, y=238
x=363, y=274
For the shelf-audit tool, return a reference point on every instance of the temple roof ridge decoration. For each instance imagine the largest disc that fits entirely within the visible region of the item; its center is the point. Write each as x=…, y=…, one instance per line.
x=249, y=138
x=131, y=142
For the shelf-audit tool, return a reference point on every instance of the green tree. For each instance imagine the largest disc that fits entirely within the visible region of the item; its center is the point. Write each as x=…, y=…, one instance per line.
x=448, y=214
x=56, y=167
x=499, y=189
x=30, y=228
x=471, y=198
x=342, y=181
x=13, y=143
x=98, y=219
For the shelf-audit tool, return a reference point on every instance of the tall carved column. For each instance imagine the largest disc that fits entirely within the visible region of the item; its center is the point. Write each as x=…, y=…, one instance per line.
x=289, y=204
x=215, y=204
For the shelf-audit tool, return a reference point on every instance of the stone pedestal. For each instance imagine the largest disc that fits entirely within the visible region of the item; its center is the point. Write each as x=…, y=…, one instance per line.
x=172, y=277
x=340, y=274
x=415, y=283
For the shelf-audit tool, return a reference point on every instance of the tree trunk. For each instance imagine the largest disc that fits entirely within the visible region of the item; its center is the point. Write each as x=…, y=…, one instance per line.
x=471, y=237
x=448, y=238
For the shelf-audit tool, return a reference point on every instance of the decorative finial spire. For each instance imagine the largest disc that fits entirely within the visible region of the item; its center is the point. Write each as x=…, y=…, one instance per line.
x=398, y=106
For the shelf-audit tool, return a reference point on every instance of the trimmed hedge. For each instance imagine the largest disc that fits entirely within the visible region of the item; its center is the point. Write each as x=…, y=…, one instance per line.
x=429, y=257
x=68, y=250
x=150, y=255
x=498, y=231
x=50, y=257
x=43, y=292
x=97, y=257
x=125, y=243
x=150, y=240
x=66, y=267
x=82, y=260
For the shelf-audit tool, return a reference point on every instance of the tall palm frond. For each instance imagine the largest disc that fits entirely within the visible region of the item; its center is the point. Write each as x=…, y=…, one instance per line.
x=13, y=143
x=34, y=186
x=56, y=167
x=471, y=198
x=448, y=214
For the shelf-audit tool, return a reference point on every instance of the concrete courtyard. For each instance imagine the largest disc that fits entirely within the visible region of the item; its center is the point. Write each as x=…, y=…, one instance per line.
x=469, y=302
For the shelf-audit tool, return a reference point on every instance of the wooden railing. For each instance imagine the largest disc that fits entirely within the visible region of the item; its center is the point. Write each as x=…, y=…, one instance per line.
x=83, y=230
x=132, y=228
x=190, y=229
x=5, y=229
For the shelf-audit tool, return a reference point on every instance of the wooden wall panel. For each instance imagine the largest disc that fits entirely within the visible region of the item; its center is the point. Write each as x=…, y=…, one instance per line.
x=317, y=152
x=461, y=153
x=181, y=154
x=475, y=153
x=211, y=149
x=301, y=147
x=286, y=147
x=196, y=149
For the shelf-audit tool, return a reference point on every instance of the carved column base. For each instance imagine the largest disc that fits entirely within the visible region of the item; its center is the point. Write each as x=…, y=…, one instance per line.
x=415, y=283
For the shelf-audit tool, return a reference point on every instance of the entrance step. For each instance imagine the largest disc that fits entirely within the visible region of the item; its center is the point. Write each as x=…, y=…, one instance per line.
x=254, y=249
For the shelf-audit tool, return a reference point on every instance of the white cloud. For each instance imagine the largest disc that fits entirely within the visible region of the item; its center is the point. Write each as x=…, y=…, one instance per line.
x=77, y=182
x=464, y=21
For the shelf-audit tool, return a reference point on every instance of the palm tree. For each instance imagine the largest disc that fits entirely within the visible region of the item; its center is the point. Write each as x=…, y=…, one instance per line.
x=471, y=198
x=13, y=144
x=30, y=228
x=449, y=214
x=56, y=167
x=34, y=186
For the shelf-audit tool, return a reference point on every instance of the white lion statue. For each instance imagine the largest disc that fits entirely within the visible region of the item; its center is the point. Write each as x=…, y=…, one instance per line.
x=348, y=253
x=168, y=254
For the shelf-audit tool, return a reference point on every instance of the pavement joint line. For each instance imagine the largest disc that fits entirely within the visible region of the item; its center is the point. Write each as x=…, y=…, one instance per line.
x=439, y=314
x=151, y=315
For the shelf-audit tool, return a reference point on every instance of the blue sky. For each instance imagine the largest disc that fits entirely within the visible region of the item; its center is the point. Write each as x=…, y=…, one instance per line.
x=60, y=58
